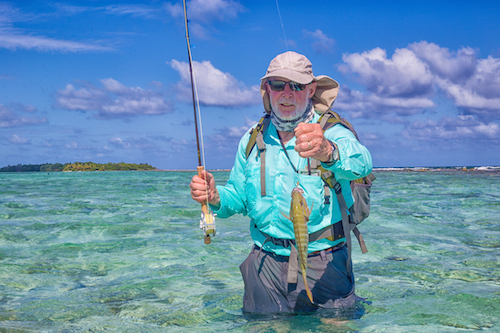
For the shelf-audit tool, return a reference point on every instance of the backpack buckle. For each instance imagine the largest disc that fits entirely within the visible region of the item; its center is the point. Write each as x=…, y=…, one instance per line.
x=327, y=194
x=337, y=188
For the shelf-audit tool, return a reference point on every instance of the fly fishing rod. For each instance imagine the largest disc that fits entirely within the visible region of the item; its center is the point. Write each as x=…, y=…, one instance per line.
x=207, y=221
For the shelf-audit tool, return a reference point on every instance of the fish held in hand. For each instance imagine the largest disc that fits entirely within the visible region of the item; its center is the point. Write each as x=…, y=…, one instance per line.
x=299, y=215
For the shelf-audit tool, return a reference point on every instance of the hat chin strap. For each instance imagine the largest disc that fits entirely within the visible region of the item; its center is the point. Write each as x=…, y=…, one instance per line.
x=289, y=125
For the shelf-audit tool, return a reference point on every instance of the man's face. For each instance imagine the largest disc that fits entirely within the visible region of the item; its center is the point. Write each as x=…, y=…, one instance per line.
x=290, y=104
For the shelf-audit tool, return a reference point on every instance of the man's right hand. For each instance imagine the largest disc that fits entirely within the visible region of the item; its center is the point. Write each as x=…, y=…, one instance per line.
x=203, y=189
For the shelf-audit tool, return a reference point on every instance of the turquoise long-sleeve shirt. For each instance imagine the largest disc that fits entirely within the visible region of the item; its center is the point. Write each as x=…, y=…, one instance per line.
x=242, y=193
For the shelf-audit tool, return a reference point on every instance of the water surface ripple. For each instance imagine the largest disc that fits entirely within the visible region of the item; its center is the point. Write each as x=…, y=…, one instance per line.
x=122, y=252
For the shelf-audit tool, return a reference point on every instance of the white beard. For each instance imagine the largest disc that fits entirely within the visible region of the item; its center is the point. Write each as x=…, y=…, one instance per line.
x=299, y=109
x=286, y=125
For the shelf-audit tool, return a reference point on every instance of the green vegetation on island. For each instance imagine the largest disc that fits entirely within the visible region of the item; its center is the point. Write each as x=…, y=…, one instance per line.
x=77, y=166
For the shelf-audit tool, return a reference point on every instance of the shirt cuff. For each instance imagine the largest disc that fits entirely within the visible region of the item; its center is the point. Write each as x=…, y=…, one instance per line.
x=334, y=157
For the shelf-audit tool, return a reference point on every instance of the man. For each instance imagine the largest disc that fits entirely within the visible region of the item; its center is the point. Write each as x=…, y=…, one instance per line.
x=294, y=98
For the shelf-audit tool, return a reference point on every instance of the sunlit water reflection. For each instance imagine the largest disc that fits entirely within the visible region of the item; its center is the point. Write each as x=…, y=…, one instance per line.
x=122, y=252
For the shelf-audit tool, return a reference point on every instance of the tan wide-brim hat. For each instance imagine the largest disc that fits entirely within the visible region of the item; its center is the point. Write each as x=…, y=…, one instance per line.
x=296, y=67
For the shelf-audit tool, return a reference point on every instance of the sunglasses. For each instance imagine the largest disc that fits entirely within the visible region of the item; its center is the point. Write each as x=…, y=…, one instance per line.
x=277, y=85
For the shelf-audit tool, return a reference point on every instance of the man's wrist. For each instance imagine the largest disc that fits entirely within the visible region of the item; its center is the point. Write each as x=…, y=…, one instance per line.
x=216, y=200
x=334, y=155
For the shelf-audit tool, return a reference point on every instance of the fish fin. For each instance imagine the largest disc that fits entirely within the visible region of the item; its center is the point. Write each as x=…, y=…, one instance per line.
x=287, y=217
x=306, y=216
x=307, y=211
x=310, y=210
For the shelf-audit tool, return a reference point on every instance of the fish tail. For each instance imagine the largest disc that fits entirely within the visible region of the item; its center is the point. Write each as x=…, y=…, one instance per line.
x=308, y=291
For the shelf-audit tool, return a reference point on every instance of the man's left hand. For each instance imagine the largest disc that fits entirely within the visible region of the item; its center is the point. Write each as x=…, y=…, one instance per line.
x=311, y=142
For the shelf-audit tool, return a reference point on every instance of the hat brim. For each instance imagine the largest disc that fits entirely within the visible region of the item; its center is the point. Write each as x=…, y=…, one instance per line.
x=290, y=75
x=327, y=90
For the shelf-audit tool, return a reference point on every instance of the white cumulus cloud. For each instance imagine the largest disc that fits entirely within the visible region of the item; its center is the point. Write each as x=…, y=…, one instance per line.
x=407, y=82
x=403, y=75
x=444, y=63
x=321, y=42
x=215, y=88
x=130, y=143
x=204, y=12
x=12, y=116
x=447, y=128
x=16, y=139
x=360, y=105
x=112, y=100
x=207, y=10
x=226, y=139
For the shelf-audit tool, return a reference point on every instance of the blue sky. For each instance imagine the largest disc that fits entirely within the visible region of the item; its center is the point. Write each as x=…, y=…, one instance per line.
x=108, y=81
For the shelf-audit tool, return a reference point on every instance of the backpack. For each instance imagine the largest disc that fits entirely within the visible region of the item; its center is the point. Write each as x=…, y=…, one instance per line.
x=360, y=188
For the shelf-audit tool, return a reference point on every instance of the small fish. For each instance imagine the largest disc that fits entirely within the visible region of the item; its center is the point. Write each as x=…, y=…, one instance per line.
x=299, y=215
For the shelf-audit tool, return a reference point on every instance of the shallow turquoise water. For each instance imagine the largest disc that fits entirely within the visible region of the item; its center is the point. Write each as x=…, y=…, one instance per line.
x=122, y=252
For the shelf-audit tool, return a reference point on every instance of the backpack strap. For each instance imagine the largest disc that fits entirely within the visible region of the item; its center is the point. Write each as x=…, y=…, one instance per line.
x=345, y=219
x=262, y=151
x=333, y=232
x=330, y=119
x=261, y=127
x=257, y=137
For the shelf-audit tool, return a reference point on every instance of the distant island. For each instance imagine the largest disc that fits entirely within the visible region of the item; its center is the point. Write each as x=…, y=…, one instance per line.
x=77, y=166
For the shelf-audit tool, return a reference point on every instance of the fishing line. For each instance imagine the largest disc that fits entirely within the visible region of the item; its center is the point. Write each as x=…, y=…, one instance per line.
x=282, y=26
x=286, y=44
